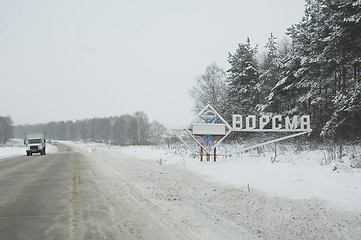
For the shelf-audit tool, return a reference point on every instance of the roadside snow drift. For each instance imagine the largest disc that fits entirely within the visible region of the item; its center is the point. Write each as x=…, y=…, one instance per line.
x=294, y=174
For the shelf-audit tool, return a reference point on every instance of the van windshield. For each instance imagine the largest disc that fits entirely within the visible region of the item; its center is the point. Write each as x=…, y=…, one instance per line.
x=31, y=141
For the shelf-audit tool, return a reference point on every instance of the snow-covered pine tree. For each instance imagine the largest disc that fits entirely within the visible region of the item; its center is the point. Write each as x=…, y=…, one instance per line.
x=243, y=77
x=325, y=78
x=345, y=48
x=315, y=72
x=271, y=69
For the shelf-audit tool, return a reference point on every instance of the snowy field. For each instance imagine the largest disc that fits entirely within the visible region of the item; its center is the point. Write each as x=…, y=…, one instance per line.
x=294, y=174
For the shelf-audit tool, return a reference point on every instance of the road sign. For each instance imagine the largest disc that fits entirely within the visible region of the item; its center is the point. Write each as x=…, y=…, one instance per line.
x=209, y=128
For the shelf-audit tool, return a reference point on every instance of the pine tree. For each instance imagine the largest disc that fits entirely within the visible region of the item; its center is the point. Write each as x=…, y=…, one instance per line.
x=243, y=78
x=270, y=67
x=327, y=44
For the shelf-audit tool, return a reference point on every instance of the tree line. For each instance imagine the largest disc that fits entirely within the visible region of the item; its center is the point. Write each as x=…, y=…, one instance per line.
x=6, y=129
x=121, y=130
x=315, y=71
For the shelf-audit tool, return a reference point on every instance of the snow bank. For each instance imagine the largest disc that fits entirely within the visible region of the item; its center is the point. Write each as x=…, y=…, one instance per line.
x=295, y=174
x=12, y=148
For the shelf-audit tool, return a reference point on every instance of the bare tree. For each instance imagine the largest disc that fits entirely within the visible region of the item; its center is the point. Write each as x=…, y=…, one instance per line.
x=142, y=127
x=6, y=129
x=211, y=88
x=157, y=131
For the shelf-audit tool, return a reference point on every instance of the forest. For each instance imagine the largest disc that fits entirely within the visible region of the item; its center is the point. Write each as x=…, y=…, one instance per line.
x=121, y=130
x=315, y=71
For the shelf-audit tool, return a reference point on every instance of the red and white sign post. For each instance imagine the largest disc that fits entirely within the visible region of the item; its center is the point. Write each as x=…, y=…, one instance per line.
x=208, y=125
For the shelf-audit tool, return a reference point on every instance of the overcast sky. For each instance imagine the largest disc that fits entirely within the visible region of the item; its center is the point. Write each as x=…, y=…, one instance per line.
x=77, y=59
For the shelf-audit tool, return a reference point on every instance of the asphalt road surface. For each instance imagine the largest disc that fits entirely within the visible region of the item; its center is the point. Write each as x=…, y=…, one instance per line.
x=34, y=196
x=63, y=196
